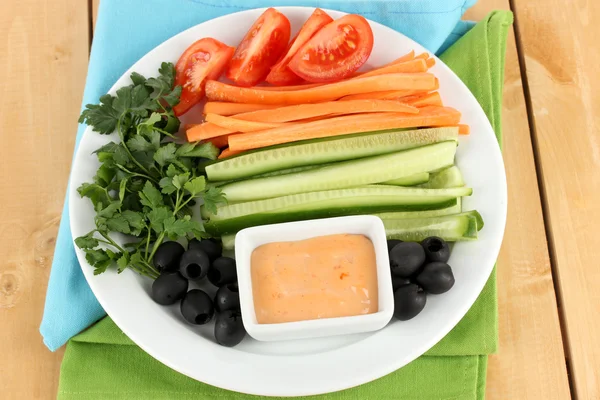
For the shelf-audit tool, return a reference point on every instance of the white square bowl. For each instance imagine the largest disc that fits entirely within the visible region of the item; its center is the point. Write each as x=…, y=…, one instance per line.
x=250, y=238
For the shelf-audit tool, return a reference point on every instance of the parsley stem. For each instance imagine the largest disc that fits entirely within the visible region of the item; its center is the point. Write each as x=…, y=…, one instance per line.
x=158, y=242
x=122, y=136
x=112, y=242
x=122, y=168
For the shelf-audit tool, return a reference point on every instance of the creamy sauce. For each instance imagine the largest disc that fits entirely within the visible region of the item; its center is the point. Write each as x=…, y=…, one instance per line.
x=322, y=277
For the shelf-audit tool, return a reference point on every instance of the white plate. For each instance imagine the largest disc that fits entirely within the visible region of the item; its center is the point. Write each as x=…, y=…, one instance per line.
x=317, y=365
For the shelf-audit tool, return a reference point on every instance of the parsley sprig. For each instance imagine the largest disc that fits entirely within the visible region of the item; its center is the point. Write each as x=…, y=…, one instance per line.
x=147, y=183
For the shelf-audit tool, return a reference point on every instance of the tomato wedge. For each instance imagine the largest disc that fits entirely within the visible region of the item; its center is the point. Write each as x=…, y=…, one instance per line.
x=260, y=49
x=336, y=51
x=280, y=73
x=203, y=60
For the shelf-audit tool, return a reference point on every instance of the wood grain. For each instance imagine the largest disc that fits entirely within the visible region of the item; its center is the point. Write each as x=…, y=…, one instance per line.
x=43, y=59
x=530, y=363
x=560, y=47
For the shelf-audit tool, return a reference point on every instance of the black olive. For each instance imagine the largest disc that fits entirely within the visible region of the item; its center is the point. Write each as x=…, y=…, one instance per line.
x=436, y=249
x=194, y=264
x=409, y=301
x=436, y=278
x=211, y=247
x=227, y=298
x=222, y=271
x=397, y=282
x=229, y=328
x=167, y=256
x=406, y=258
x=197, y=307
x=392, y=243
x=168, y=288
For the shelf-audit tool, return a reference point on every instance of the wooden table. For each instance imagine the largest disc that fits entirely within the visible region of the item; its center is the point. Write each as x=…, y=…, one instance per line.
x=548, y=275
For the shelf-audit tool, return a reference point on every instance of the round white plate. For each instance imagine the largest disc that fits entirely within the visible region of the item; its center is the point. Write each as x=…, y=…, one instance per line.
x=318, y=365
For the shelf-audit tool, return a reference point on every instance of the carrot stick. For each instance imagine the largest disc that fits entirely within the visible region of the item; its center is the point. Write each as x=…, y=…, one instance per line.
x=291, y=87
x=383, y=95
x=226, y=109
x=412, y=66
x=428, y=116
x=423, y=56
x=228, y=153
x=222, y=92
x=430, y=62
x=304, y=111
x=422, y=100
x=407, y=57
x=205, y=131
x=464, y=129
x=239, y=125
x=219, y=141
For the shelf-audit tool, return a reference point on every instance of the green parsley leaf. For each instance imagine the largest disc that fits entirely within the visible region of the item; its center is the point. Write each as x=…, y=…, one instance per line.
x=166, y=185
x=123, y=262
x=213, y=197
x=157, y=218
x=203, y=150
x=180, y=180
x=87, y=242
x=165, y=154
x=195, y=186
x=94, y=192
x=150, y=196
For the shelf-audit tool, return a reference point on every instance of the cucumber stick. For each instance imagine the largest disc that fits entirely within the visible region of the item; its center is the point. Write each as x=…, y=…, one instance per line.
x=228, y=241
x=353, y=201
x=454, y=209
x=417, y=225
x=346, y=174
x=325, y=150
x=451, y=228
x=446, y=178
x=411, y=180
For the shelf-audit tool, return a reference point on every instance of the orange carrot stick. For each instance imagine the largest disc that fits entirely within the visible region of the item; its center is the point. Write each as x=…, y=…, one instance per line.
x=428, y=116
x=430, y=62
x=412, y=66
x=239, y=125
x=205, y=131
x=464, y=129
x=218, y=91
x=422, y=100
x=219, y=141
x=423, y=56
x=304, y=111
x=226, y=109
x=291, y=87
x=407, y=57
x=228, y=153
x=383, y=95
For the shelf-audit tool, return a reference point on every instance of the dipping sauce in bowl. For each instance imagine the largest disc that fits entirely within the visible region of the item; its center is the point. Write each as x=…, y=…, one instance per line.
x=321, y=277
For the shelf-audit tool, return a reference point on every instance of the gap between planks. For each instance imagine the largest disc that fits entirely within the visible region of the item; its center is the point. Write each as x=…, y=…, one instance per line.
x=543, y=200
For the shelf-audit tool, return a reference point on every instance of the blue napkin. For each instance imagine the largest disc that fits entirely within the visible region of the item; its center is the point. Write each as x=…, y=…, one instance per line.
x=127, y=30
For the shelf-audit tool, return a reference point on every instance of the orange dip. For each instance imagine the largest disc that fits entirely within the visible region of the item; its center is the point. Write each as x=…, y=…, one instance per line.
x=322, y=277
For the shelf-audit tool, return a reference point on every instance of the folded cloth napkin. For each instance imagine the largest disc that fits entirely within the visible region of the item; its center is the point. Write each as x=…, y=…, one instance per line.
x=102, y=363
x=125, y=31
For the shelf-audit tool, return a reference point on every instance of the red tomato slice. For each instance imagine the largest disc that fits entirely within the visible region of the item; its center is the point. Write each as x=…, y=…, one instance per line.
x=203, y=60
x=260, y=49
x=336, y=51
x=280, y=73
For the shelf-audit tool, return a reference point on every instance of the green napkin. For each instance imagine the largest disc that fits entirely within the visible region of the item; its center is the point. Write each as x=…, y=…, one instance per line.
x=102, y=363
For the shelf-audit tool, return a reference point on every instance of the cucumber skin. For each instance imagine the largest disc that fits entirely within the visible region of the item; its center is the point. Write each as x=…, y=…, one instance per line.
x=363, y=171
x=411, y=180
x=233, y=225
x=416, y=233
x=379, y=195
x=301, y=152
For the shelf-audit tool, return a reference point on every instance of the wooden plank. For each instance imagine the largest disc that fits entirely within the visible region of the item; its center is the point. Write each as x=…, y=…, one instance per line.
x=95, y=4
x=43, y=59
x=560, y=47
x=530, y=363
